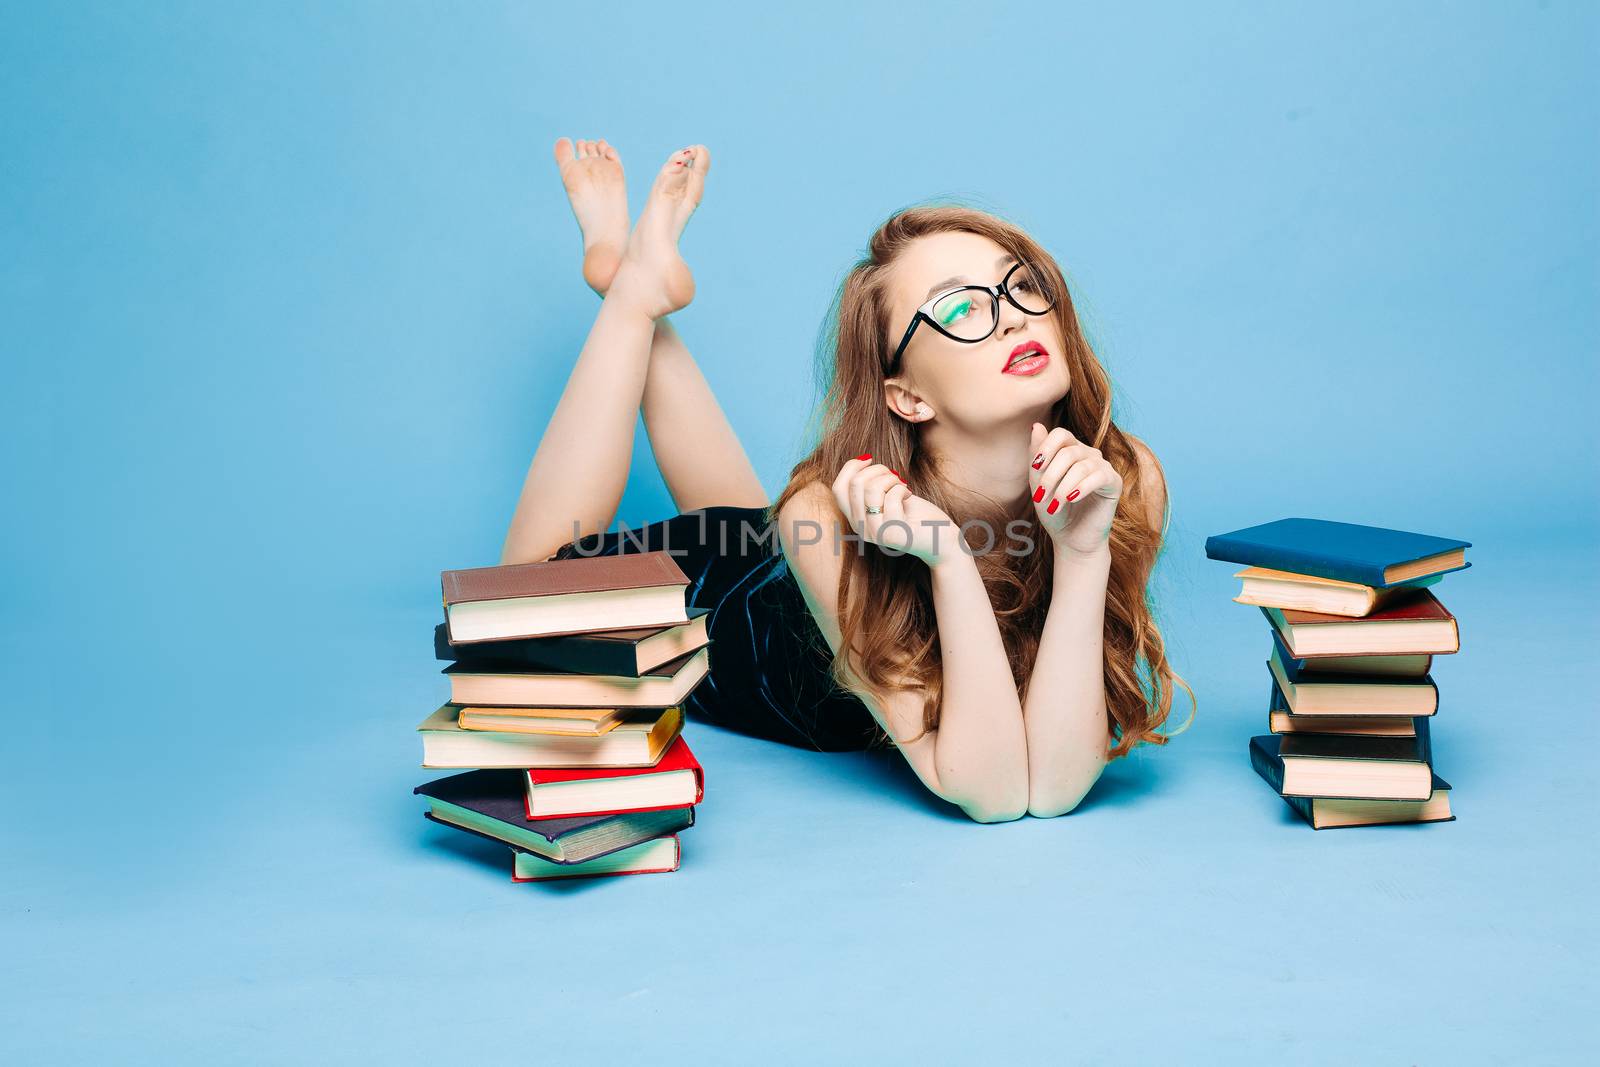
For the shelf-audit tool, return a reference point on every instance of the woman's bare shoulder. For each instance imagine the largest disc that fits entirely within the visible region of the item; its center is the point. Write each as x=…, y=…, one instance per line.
x=1153, y=479
x=808, y=526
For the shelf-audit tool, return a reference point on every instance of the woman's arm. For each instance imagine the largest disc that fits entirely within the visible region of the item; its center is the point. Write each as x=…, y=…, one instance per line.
x=977, y=758
x=1065, y=710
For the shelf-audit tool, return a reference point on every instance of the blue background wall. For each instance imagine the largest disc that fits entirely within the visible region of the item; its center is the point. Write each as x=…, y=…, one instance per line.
x=289, y=292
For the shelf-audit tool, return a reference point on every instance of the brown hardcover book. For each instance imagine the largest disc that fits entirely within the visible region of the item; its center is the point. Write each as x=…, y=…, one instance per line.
x=1415, y=625
x=564, y=596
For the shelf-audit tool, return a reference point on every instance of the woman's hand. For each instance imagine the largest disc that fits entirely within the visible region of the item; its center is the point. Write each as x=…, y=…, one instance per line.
x=1075, y=491
x=907, y=524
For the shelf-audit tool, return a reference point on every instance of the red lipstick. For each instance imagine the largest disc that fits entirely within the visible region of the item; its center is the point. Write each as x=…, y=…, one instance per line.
x=1030, y=357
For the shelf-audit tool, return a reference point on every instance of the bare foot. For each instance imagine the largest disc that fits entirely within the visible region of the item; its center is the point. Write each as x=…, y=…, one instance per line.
x=656, y=276
x=592, y=173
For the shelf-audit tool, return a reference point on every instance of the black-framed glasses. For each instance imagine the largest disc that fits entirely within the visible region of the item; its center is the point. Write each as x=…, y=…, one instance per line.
x=971, y=313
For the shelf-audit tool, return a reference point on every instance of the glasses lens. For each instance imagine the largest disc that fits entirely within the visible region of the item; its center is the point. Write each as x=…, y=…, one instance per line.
x=965, y=313
x=1030, y=290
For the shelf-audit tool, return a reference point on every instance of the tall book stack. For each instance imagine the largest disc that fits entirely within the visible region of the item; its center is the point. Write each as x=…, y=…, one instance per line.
x=1355, y=624
x=567, y=682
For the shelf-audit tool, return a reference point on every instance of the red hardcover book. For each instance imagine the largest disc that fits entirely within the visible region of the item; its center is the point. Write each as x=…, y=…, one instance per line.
x=675, y=781
x=1413, y=625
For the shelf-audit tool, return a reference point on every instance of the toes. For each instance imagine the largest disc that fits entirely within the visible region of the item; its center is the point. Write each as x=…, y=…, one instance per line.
x=605, y=149
x=563, y=151
x=702, y=158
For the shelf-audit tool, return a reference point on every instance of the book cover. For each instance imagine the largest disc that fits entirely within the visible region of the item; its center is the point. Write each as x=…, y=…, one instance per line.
x=588, y=574
x=1345, y=551
x=677, y=757
x=563, y=596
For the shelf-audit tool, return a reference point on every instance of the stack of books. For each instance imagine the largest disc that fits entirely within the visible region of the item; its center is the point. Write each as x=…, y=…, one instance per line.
x=567, y=682
x=1355, y=624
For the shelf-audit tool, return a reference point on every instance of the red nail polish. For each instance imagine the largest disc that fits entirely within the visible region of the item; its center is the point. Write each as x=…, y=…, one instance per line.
x=1038, y=460
x=1038, y=494
x=1051, y=510
x=865, y=455
x=1072, y=496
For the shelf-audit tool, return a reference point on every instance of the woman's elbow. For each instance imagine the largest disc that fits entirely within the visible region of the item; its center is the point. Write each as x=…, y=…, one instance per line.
x=1048, y=807
x=997, y=808
x=1049, y=800
x=980, y=813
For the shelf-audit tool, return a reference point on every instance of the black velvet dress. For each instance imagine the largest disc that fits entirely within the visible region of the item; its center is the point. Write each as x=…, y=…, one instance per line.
x=769, y=661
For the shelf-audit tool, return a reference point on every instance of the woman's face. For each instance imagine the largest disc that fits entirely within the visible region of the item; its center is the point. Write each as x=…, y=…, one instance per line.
x=1019, y=371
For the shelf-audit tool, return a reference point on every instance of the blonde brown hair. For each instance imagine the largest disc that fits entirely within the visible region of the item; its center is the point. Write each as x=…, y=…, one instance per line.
x=901, y=646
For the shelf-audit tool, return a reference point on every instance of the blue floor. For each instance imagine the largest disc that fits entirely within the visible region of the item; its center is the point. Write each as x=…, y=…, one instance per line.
x=289, y=291
x=244, y=892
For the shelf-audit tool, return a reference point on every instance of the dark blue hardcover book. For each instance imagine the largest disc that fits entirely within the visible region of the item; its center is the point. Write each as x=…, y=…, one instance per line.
x=624, y=653
x=1343, y=551
x=1323, y=813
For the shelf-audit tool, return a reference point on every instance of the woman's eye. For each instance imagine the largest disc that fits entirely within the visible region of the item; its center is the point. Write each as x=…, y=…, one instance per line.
x=957, y=311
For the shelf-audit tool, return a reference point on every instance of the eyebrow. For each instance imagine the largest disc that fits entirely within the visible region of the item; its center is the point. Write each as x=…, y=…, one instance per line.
x=937, y=286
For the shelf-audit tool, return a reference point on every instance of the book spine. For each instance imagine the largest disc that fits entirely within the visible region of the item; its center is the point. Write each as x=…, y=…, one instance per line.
x=1267, y=767
x=1271, y=770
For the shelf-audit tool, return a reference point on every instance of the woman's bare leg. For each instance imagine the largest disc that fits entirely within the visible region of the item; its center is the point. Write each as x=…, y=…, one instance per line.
x=696, y=449
x=700, y=456
x=578, y=473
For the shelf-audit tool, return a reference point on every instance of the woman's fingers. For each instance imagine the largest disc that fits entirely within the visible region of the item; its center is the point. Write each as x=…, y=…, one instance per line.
x=1099, y=478
x=1056, y=439
x=893, y=529
x=842, y=489
x=875, y=482
x=1071, y=479
x=1055, y=442
x=1055, y=469
x=861, y=483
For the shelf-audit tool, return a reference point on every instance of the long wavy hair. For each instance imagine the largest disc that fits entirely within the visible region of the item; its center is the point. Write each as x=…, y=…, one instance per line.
x=900, y=646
